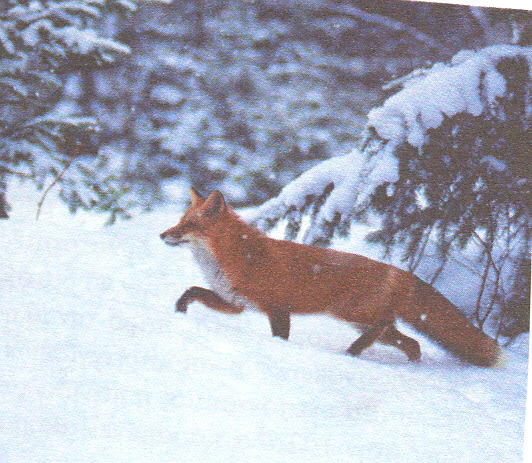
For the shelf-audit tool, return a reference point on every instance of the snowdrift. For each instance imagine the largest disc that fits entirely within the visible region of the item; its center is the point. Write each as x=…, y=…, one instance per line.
x=96, y=366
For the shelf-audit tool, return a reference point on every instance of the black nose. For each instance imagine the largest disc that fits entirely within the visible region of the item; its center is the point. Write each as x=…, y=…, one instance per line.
x=162, y=235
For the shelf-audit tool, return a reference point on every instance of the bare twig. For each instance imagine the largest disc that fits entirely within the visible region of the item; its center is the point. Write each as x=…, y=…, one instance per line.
x=39, y=205
x=482, y=21
x=483, y=283
x=389, y=23
x=445, y=257
x=416, y=259
x=6, y=170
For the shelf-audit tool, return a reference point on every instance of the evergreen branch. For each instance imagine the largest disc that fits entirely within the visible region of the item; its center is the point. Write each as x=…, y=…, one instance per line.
x=21, y=13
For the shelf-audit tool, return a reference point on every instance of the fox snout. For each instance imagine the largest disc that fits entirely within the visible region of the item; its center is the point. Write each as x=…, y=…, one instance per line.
x=170, y=240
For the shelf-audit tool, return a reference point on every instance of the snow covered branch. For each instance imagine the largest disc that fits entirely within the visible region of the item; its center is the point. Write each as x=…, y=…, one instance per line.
x=444, y=162
x=470, y=84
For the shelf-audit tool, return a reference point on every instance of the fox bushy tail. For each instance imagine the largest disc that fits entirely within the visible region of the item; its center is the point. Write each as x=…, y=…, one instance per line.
x=432, y=314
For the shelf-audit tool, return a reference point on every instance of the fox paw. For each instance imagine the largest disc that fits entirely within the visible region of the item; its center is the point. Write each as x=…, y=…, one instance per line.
x=181, y=305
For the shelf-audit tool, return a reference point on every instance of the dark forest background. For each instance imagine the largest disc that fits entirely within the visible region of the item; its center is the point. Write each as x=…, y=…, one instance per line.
x=233, y=94
x=112, y=101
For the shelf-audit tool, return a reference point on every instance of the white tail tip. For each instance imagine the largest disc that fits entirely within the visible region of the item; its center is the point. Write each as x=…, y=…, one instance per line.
x=501, y=361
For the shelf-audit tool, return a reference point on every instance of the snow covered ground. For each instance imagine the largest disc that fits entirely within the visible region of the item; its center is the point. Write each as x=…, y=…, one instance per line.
x=96, y=367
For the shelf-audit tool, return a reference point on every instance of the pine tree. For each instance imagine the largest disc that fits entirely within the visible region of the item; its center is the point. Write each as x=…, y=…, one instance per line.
x=445, y=163
x=41, y=135
x=469, y=182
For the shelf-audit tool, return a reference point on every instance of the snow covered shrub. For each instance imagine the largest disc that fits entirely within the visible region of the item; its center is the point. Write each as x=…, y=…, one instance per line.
x=41, y=136
x=446, y=164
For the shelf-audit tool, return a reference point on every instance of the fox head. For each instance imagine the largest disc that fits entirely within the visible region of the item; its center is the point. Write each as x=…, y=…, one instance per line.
x=197, y=220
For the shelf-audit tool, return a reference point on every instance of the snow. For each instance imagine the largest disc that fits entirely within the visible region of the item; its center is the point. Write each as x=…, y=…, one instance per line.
x=87, y=41
x=6, y=43
x=167, y=94
x=443, y=90
x=96, y=365
x=340, y=170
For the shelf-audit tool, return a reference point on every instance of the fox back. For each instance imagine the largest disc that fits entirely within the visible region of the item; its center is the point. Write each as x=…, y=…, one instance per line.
x=247, y=269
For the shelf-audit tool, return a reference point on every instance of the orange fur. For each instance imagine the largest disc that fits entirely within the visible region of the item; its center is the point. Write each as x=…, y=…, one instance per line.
x=248, y=269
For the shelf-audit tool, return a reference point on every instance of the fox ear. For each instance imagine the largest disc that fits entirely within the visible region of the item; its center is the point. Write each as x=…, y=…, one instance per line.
x=215, y=204
x=197, y=199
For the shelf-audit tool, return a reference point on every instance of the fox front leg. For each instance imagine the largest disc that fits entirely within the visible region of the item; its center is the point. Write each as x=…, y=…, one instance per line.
x=208, y=298
x=279, y=322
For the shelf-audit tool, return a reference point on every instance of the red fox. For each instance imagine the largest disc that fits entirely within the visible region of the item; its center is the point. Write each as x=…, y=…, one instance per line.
x=247, y=269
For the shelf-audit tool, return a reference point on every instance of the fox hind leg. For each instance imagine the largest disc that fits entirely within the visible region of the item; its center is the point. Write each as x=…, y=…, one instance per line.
x=367, y=339
x=389, y=335
x=393, y=337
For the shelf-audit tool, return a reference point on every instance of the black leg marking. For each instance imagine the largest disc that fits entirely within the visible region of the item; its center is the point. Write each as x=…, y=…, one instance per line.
x=280, y=322
x=194, y=293
x=366, y=340
x=183, y=302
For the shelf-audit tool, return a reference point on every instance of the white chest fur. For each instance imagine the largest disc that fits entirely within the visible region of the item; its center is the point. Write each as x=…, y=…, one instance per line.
x=215, y=276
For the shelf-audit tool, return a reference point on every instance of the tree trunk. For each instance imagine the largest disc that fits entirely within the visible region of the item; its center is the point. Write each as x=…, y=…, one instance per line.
x=3, y=203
